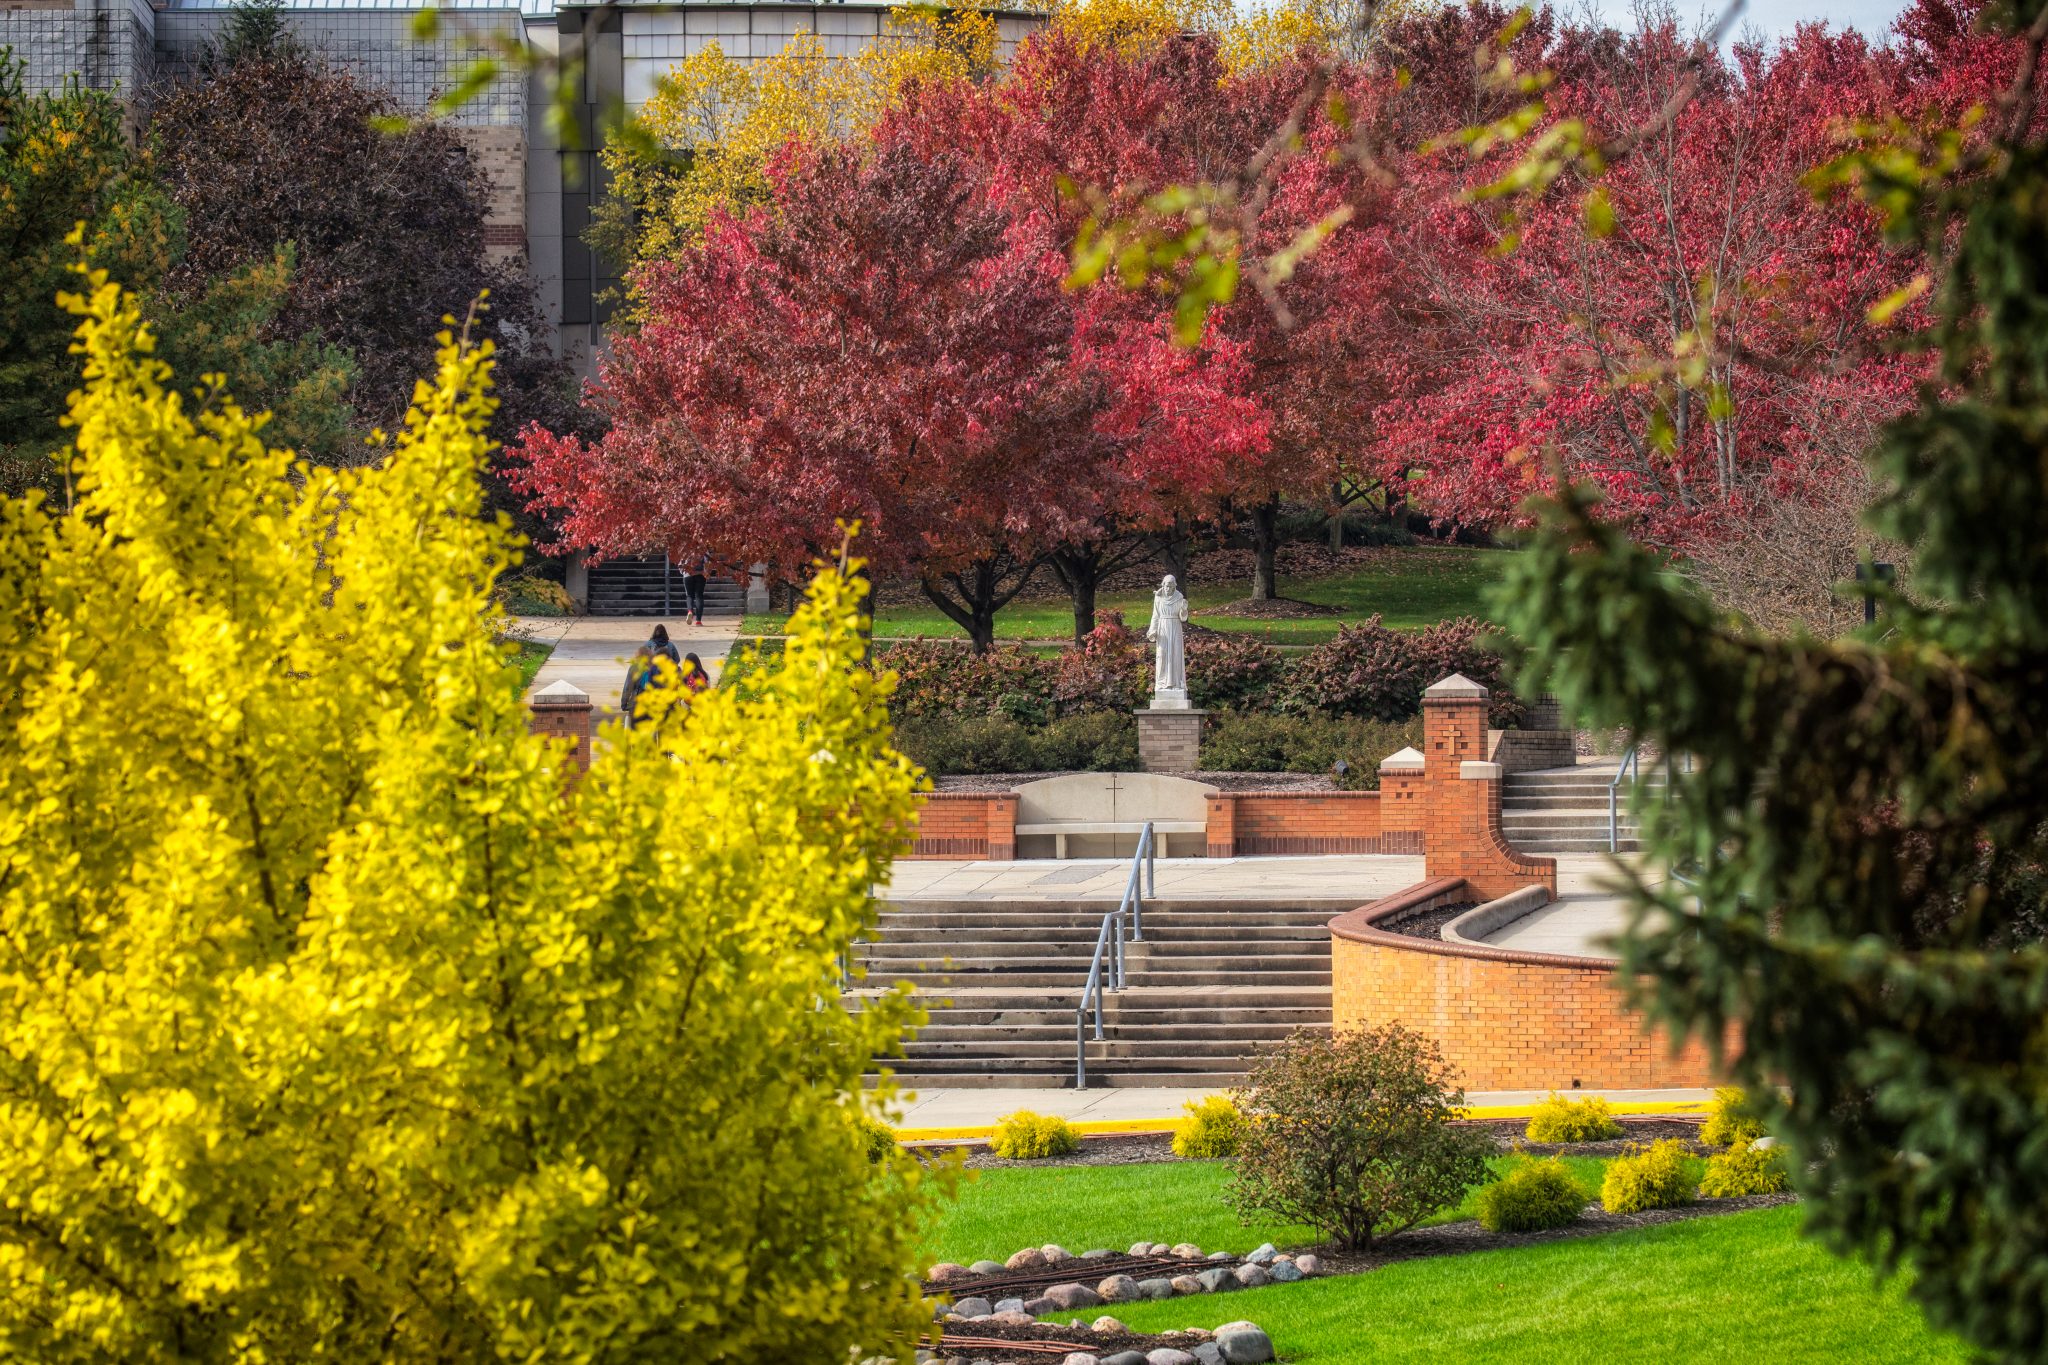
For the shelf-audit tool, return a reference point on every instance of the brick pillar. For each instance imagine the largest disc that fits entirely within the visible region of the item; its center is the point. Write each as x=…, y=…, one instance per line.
x=1404, y=801
x=1170, y=741
x=1222, y=826
x=1461, y=833
x=561, y=710
x=1002, y=829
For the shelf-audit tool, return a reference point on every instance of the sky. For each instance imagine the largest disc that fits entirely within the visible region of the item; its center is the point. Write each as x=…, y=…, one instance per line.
x=1773, y=17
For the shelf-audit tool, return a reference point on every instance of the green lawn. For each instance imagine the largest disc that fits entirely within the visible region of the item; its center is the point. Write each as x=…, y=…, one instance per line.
x=528, y=660
x=1740, y=1288
x=1084, y=1207
x=1408, y=587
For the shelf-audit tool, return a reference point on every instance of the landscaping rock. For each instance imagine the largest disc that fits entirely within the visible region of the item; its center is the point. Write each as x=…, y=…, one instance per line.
x=1081, y=1358
x=1218, y=1279
x=1099, y=1254
x=1252, y=1276
x=1039, y=1307
x=1030, y=1258
x=1124, y=1358
x=1219, y=1256
x=974, y=1307
x=947, y=1270
x=1009, y=1305
x=1070, y=1296
x=1012, y=1319
x=1265, y=1253
x=1246, y=1345
x=987, y=1268
x=1285, y=1271
x=1054, y=1253
x=1310, y=1264
x=1119, y=1289
x=1763, y=1144
x=1106, y=1323
x=1140, y=1249
x=1187, y=1284
x=1209, y=1353
x=1187, y=1251
x=1157, y=1288
x=1169, y=1355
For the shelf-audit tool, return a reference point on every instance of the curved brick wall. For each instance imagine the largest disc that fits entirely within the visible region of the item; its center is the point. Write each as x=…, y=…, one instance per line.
x=1506, y=1020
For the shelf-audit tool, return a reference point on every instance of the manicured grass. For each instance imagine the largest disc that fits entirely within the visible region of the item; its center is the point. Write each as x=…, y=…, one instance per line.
x=1741, y=1288
x=528, y=660
x=1409, y=587
x=1083, y=1207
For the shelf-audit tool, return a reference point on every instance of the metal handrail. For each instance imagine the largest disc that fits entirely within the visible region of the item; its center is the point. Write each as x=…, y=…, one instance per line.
x=1109, y=942
x=1628, y=763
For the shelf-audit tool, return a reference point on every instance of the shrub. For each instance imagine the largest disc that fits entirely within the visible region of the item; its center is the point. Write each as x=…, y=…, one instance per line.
x=402, y=1019
x=939, y=679
x=1025, y=1136
x=1244, y=743
x=536, y=596
x=1652, y=1177
x=1211, y=1129
x=1533, y=1196
x=1352, y=1134
x=1111, y=671
x=877, y=1138
x=1099, y=742
x=1732, y=1120
x=1374, y=671
x=1232, y=671
x=1558, y=1119
x=1744, y=1169
x=946, y=746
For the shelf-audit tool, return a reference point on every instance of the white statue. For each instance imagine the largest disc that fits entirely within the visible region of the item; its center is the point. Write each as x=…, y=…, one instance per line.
x=1169, y=646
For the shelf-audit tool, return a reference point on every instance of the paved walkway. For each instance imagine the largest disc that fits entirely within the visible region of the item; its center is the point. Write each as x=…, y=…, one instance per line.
x=1342, y=881
x=971, y=1113
x=591, y=651
x=1585, y=918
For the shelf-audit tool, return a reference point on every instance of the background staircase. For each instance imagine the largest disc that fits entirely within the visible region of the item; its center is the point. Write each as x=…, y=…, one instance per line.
x=652, y=587
x=1211, y=983
x=1564, y=810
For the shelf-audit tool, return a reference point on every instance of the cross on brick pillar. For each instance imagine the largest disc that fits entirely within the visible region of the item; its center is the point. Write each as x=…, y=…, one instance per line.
x=1461, y=821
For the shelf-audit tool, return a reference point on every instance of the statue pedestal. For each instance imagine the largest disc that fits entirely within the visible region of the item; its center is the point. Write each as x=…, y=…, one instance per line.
x=1170, y=738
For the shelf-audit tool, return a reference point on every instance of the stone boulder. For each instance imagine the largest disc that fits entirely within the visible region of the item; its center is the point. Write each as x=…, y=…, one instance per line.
x=987, y=1268
x=1264, y=1254
x=1030, y=1258
x=1244, y=1344
x=1285, y=1271
x=1310, y=1265
x=1218, y=1279
x=1169, y=1355
x=1188, y=1284
x=1252, y=1276
x=974, y=1306
x=1071, y=1296
x=1188, y=1251
x=1157, y=1288
x=1106, y=1323
x=947, y=1270
x=1119, y=1289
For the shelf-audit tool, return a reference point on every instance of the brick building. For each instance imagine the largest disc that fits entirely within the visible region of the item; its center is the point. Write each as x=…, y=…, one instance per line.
x=543, y=193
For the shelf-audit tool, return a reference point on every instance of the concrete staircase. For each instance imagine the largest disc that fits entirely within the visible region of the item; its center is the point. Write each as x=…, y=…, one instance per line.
x=1564, y=810
x=1211, y=983
x=652, y=587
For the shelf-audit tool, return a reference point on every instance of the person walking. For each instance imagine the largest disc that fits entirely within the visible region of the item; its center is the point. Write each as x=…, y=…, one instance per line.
x=639, y=676
x=663, y=648
x=695, y=678
x=696, y=572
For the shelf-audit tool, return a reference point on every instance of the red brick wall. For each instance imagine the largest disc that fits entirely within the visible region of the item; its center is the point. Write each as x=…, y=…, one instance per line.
x=1464, y=812
x=956, y=826
x=571, y=723
x=1249, y=824
x=1505, y=1020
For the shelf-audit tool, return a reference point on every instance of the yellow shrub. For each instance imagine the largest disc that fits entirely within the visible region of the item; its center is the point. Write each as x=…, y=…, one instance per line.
x=1025, y=1136
x=1533, y=1196
x=1211, y=1129
x=1732, y=1120
x=342, y=1026
x=1653, y=1177
x=1744, y=1170
x=1558, y=1119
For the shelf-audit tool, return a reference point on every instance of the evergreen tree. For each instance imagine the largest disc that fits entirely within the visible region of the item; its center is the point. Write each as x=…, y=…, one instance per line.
x=1868, y=822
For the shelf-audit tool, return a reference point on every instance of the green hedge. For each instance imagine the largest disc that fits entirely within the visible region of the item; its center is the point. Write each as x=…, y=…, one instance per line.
x=1306, y=744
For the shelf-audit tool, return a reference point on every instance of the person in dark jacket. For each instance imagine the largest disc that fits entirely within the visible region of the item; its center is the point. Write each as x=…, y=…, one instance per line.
x=663, y=649
x=695, y=574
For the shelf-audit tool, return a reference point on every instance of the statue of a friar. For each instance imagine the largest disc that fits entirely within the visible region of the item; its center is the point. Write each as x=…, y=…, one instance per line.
x=1168, y=635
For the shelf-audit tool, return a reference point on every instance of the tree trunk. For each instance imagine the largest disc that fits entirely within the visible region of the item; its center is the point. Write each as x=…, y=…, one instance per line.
x=1170, y=548
x=979, y=591
x=1265, y=519
x=1080, y=571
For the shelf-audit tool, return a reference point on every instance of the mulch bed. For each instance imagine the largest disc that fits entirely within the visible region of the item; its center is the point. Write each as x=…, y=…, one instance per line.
x=1077, y=1339
x=1271, y=609
x=1029, y=1284
x=1426, y=923
x=1134, y=1149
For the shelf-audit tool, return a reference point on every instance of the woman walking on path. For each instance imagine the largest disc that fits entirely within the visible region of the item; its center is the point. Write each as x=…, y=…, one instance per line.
x=659, y=644
x=639, y=676
x=695, y=678
x=693, y=587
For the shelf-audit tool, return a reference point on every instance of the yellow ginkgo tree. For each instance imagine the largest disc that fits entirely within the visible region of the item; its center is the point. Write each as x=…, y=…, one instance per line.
x=337, y=1021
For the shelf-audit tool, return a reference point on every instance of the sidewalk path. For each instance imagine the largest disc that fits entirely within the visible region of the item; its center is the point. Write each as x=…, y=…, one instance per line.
x=933, y=1113
x=591, y=651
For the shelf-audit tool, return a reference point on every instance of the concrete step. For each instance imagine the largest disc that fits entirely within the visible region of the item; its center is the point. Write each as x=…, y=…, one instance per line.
x=1154, y=933
x=939, y=980
x=1062, y=1027
x=1560, y=820
x=1581, y=777
x=1560, y=845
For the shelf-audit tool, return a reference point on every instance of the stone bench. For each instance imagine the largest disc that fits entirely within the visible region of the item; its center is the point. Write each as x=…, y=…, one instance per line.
x=1101, y=815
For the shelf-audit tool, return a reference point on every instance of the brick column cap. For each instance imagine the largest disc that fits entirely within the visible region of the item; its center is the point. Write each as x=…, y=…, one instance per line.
x=561, y=692
x=1456, y=687
x=1479, y=772
x=1408, y=760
